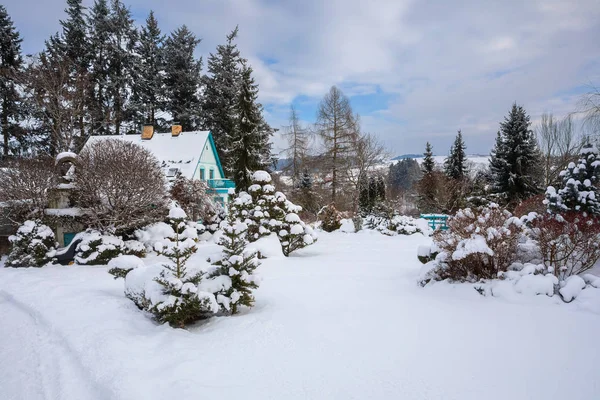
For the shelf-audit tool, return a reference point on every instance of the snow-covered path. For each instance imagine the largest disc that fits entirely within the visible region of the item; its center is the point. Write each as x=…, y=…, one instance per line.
x=344, y=319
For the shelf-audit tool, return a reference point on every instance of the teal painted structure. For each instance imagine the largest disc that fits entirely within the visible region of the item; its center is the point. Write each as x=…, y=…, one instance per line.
x=68, y=237
x=436, y=221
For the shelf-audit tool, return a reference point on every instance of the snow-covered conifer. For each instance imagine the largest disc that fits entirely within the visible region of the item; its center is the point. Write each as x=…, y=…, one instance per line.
x=264, y=211
x=514, y=158
x=32, y=246
x=170, y=291
x=428, y=162
x=234, y=279
x=455, y=166
x=580, y=192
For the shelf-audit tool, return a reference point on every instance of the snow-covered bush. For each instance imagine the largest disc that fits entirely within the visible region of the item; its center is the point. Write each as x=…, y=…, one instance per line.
x=264, y=211
x=213, y=221
x=347, y=225
x=32, y=246
x=580, y=185
x=478, y=245
x=331, y=218
x=569, y=243
x=120, y=266
x=170, y=291
x=194, y=197
x=233, y=279
x=395, y=225
x=97, y=248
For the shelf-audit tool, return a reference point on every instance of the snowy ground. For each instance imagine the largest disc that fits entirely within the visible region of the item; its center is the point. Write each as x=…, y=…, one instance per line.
x=344, y=319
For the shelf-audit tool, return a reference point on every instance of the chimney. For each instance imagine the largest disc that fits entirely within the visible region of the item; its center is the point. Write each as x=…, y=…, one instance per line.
x=175, y=129
x=147, y=131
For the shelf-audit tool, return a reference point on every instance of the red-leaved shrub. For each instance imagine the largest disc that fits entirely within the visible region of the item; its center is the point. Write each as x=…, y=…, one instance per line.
x=569, y=242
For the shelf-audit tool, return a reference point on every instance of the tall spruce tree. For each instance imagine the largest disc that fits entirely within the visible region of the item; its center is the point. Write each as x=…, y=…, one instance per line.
x=250, y=140
x=11, y=64
x=75, y=42
x=183, y=78
x=221, y=96
x=98, y=100
x=515, y=158
x=455, y=166
x=428, y=162
x=148, y=96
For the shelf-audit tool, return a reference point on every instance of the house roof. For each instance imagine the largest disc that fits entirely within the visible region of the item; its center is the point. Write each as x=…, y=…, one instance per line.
x=182, y=152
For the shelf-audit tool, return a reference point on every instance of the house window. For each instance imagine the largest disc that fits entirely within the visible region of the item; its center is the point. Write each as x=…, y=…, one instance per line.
x=172, y=172
x=202, y=173
x=211, y=174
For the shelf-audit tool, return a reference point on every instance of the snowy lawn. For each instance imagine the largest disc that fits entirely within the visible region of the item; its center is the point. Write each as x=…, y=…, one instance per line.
x=343, y=319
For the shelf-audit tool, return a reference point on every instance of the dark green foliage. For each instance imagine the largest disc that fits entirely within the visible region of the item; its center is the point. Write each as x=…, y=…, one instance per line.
x=515, y=159
x=580, y=191
x=250, y=142
x=148, y=97
x=11, y=64
x=31, y=246
x=183, y=78
x=428, y=162
x=236, y=266
x=371, y=194
x=221, y=96
x=403, y=175
x=455, y=165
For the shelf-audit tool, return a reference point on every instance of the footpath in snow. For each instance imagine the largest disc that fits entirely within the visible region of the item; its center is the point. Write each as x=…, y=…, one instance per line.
x=343, y=319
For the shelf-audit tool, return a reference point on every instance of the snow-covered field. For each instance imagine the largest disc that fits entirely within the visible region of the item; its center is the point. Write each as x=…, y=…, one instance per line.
x=343, y=319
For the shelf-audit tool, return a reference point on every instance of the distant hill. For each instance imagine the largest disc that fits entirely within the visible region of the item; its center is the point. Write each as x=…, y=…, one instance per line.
x=405, y=156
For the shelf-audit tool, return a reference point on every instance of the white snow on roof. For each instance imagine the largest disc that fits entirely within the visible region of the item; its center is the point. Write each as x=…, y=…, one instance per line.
x=181, y=152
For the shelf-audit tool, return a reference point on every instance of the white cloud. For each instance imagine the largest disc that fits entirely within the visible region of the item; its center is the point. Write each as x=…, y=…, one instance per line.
x=445, y=65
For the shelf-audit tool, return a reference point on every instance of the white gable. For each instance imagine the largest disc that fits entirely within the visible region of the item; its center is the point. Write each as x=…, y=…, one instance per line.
x=181, y=152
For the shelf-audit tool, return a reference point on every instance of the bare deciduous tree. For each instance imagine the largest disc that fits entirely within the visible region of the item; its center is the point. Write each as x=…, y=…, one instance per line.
x=589, y=105
x=120, y=186
x=337, y=126
x=298, y=141
x=26, y=185
x=559, y=145
x=58, y=95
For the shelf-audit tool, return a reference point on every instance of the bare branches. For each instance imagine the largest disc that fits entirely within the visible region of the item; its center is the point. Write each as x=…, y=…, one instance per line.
x=559, y=145
x=298, y=141
x=26, y=185
x=120, y=186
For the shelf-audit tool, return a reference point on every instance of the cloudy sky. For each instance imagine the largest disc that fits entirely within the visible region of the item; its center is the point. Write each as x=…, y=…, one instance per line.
x=414, y=70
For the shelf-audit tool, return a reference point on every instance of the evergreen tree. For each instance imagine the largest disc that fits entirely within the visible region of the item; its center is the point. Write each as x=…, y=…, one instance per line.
x=250, y=147
x=402, y=175
x=304, y=193
x=75, y=45
x=428, y=162
x=149, y=85
x=183, y=78
x=179, y=302
x=99, y=103
x=11, y=63
x=235, y=269
x=580, y=191
x=380, y=190
x=221, y=96
x=365, y=204
x=455, y=166
x=514, y=159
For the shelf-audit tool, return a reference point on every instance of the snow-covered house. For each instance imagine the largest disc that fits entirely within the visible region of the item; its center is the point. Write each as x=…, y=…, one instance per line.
x=191, y=154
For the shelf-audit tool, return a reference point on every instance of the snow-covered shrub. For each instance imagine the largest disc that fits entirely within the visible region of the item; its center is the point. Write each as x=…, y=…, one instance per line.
x=427, y=254
x=394, y=225
x=347, y=225
x=120, y=266
x=477, y=245
x=569, y=243
x=580, y=185
x=233, y=279
x=170, y=291
x=264, y=211
x=213, y=221
x=331, y=218
x=32, y=246
x=97, y=248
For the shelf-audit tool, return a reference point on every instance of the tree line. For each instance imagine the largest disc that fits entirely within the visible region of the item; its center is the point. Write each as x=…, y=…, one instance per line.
x=102, y=75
